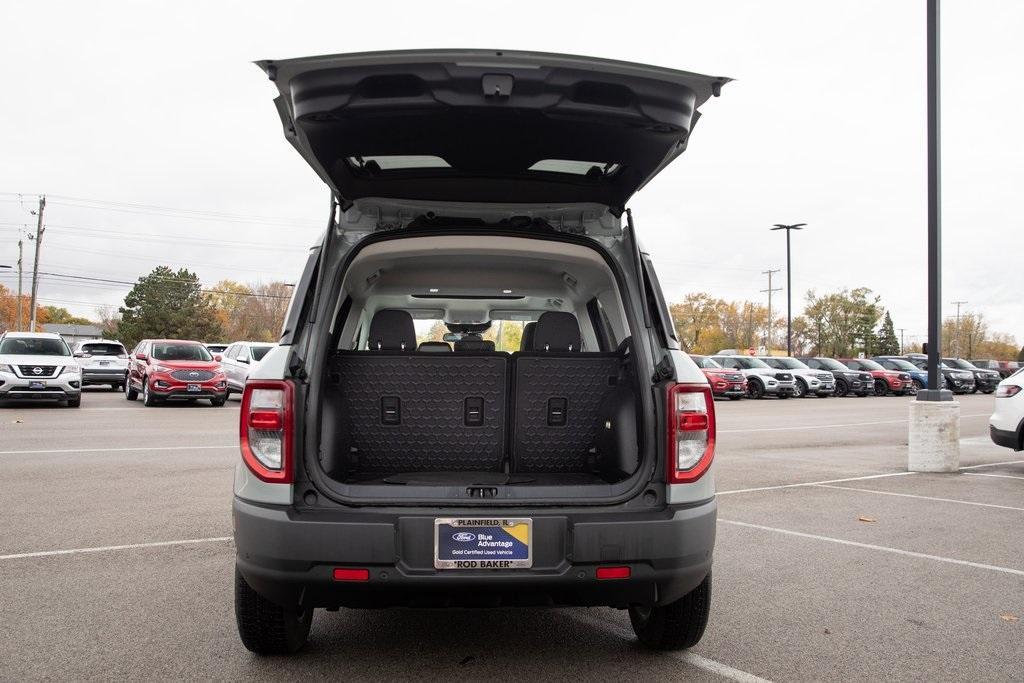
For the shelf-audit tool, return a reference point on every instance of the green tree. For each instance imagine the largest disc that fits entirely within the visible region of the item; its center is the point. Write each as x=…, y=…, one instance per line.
x=60, y=315
x=888, y=343
x=167, y=304
x=842, y=323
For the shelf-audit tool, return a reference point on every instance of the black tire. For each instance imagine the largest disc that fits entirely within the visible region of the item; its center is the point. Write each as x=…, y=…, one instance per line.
x=987, y=391
x=975, y=389
x=148, y=399
x=881, y=387
x=842, y=388
x=75, y=402
x=677, y=625
x=918, y=386
x=265, y=627
x=218, y=402
x=755, y=389
x=800, y=389
x=129, y=392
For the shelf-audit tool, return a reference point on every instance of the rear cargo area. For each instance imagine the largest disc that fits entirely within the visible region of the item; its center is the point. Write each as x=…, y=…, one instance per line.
x=547, y=415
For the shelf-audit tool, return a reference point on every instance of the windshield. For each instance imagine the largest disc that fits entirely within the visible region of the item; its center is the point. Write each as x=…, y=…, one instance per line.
x=832, y=364
x=259, y=351
x=900, y=364
x=103, y=349
x=34, y=346
x=790, y=364
x=958, y=363
x=705, y=362
x=180, y=351
x=752, y=363
x=867, y=364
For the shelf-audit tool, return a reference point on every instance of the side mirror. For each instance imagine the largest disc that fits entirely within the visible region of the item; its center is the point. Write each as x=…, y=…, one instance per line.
x=217, y=357
x=81, y=354
x=141, y=356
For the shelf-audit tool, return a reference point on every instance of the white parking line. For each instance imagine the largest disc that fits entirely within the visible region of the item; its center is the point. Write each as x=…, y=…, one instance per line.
x=120, y=450
x=711, y=666
x=985, y=474
x=814, y=483
x=110, y=548
x=993, y=464
x=912, y=495
x=831, y=426
x=882, y=548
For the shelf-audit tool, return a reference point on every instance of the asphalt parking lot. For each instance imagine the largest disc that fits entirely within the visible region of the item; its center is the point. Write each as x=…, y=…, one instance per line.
x=832, y=562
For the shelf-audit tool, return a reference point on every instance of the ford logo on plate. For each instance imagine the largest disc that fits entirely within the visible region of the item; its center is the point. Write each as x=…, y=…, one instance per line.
x=463, y=537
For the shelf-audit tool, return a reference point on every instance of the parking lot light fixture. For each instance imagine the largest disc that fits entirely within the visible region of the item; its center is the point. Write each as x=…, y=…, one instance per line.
x=789, y=284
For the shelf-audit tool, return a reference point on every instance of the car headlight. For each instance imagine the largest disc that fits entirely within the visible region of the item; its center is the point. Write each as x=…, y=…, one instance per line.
x=69, y=369
x=162, y=368
x=6, y=368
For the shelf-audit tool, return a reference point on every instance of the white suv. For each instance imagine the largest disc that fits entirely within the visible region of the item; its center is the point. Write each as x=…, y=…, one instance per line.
x=38, y=366
x=818, y=382
x=762, y=379
x=102, y=362
x=1006, y=425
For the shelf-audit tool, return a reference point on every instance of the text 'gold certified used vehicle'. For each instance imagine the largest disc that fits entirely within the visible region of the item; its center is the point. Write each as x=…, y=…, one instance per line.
x=478, y=398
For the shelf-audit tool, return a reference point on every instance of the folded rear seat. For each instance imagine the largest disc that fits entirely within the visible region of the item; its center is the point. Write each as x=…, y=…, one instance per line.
x=407, y=411
x=560, y=399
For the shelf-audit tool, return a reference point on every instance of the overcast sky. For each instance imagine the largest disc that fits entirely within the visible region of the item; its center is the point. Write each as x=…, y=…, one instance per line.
x=158, y=105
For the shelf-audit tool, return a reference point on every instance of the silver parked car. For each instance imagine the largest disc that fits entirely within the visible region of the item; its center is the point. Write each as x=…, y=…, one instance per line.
x=103, y=361
x=808, y=381
x=239, y=359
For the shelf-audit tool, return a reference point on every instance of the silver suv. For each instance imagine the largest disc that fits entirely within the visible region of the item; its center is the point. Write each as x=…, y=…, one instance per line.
x=103, y=362
x=808, y=381
x=38, y=366
x=393, y=451
x=239, y=360
x=762, y=379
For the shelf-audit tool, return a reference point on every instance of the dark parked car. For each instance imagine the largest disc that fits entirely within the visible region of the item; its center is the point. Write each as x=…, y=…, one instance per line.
x=985, y=381
x=467, y=187
x=1008, y=367
x=847, y=381
x=958, y=381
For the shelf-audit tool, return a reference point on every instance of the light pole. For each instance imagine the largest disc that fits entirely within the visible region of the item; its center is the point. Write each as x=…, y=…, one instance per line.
x=956, y=340
x=789, y=285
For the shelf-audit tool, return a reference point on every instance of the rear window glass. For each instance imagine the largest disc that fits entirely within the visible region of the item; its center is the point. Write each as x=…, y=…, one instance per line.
x=103, y=349
x=397, y=162
x=34, y=346
x=259, y=351
x=171, y=351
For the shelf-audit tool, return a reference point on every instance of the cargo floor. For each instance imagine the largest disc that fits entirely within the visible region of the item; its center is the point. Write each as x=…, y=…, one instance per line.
x=478, y=479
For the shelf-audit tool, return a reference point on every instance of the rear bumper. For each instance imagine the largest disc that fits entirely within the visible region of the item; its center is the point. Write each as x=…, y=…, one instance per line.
x=1005, y=437
x=103, y=375
x=289, y=558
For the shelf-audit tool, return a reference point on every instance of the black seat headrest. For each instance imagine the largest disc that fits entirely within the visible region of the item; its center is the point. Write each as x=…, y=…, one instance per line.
x=392, y=330
x=557, y=331
x=473, y=342
x=435, y=347
x=526, y=343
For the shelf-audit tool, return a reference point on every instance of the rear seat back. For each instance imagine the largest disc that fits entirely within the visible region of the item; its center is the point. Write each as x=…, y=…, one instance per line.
x=403, y=411
x=560, y=395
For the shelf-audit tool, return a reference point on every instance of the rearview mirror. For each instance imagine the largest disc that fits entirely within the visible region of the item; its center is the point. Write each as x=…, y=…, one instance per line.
x=452, y=337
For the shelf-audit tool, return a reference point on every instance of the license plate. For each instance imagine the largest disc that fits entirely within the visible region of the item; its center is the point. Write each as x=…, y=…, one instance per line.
x=194, y=387
x=37, y=385
x=104, y=363
x=464, y=543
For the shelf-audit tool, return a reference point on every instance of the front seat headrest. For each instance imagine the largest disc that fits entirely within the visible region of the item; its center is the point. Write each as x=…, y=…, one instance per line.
x=473, y=342
x=392, y=330
x=526, y=343
x=557, y=331
x=435, y=347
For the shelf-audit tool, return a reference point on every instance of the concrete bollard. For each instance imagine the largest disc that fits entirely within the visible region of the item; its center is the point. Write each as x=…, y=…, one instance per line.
x=934, y=436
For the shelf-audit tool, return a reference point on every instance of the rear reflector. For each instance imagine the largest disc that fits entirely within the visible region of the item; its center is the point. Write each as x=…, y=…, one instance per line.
x=344, y=574
x=613, y=572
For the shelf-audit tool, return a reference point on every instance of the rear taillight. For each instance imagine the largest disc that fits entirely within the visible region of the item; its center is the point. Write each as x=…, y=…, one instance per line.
x=266, y=430
x=1007, y=390
x=691, y=432
x=122, y=356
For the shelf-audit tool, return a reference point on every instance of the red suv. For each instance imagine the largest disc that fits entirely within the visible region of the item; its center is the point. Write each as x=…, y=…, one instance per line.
x=723, y=381
x=886, y=381
x=173, y=369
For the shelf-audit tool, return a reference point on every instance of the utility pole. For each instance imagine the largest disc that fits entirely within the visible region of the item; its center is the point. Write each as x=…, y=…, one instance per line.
x=769, y=273
x=789, y=284
x=40, y=229
x=20, y=319
x=956, y=341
